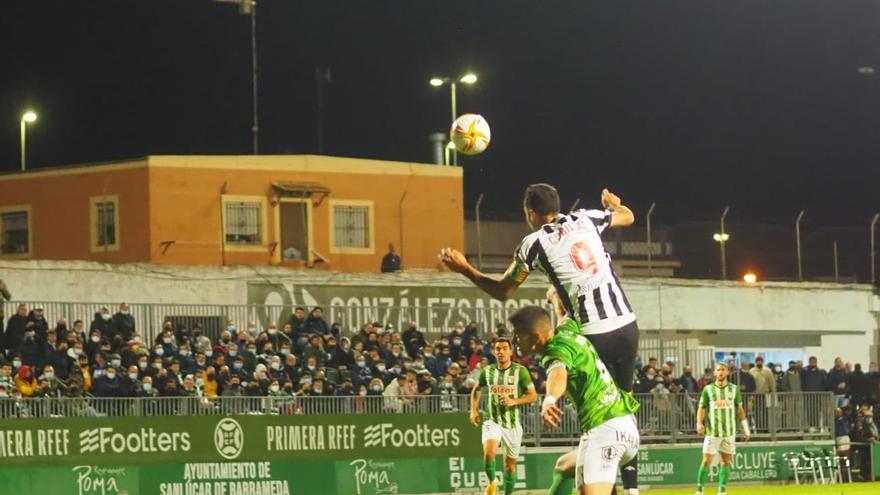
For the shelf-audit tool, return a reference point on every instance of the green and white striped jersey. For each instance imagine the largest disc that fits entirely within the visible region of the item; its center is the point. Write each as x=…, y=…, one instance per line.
x=513, y=381
x=721, y=404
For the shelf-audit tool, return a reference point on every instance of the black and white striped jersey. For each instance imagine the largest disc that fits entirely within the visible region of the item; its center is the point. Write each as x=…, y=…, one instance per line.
x=570, y=252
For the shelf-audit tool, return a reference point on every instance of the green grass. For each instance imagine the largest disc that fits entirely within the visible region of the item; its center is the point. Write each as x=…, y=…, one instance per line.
x=845, y=489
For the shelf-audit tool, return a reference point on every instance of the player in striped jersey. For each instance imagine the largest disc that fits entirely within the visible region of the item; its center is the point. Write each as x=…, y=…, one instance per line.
x=509, y=385
x=568, y=249
x=720, y=406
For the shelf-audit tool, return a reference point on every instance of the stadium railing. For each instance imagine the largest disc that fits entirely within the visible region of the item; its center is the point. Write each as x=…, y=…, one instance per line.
x=666, y=418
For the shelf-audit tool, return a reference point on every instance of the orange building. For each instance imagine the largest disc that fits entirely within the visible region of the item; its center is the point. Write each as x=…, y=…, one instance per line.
x=297, y=210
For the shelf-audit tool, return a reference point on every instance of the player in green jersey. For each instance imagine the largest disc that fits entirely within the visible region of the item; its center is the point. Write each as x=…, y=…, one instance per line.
x=720, y=406
x=509, y=385
x=610, y=436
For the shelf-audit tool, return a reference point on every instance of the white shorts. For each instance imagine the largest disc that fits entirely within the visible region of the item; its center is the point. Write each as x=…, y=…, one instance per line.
x=604, y=448
x=510, y=438
x=724, y=445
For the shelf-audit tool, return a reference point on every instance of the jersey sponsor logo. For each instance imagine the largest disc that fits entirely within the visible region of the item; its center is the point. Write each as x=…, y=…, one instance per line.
x=583, y=259
x=502, y=389
x=723, y=404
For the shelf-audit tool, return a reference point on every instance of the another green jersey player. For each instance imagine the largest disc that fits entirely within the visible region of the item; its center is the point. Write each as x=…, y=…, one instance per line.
x=510, y=386
x=721, y=404
x=610, y=436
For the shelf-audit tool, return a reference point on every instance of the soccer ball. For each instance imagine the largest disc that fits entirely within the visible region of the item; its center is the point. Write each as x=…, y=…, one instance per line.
x=470, y=134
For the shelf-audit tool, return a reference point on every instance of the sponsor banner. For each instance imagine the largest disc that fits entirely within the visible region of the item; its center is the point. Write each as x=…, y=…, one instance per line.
x=434, y=308
x=372, y=475
x=144, y=440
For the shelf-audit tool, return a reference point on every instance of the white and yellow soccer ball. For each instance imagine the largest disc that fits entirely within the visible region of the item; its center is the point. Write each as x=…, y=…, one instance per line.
x=470, y=134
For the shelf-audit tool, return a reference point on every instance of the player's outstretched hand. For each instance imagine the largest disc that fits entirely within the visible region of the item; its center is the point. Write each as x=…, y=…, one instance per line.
x=701, y=429
x=609, y=199
x=475, y=418
x=552, y=416
x=506, y=400
x=454, y=260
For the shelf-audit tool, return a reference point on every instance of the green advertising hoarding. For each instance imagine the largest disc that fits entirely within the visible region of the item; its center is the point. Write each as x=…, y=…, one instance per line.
x=328, y=455
x=147, y=440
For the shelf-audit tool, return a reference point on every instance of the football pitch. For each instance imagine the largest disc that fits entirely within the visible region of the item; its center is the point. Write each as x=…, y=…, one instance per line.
x=844, y=489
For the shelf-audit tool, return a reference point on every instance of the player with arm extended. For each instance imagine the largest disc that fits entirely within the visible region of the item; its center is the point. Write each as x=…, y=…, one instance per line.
x=718, y=404
x=568, y=249
x=610, y=436
x=509, y=386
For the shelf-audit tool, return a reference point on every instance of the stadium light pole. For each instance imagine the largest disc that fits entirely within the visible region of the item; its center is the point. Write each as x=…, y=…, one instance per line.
x=722, y=239
x=874, y=249
x=648, y=238
x=469, y=78
x=797, y=231
x=26, y=118
x=249, y=7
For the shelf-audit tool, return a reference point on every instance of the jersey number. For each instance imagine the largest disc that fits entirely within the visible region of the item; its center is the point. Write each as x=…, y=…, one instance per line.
x=583, y=259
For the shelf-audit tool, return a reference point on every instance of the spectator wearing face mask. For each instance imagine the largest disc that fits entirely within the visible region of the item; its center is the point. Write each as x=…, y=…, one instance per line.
x=276, y=371
x=41, y=326
x=110, y=384
x=50, y=385
x=199, y=341
x=123, y=323
x=93, y=345
x=147, y=387
x=276, y=337
x=166, y=341
x=102, y=323
x=186, y=360
x=318, y=388
x=765, y=381
x=647, y=383
x=31, y=348
x=133, y=382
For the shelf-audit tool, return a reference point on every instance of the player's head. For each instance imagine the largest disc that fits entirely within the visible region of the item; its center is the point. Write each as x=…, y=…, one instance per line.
x=502, y=349
x=532, y=329
x=539, y=202
x=721, y=372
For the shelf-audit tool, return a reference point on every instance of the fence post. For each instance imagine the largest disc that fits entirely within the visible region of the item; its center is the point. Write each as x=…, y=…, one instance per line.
x=650, y=246
x=797, y=230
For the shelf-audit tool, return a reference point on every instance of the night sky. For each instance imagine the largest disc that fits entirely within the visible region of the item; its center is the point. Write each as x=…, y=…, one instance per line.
x=692, y=104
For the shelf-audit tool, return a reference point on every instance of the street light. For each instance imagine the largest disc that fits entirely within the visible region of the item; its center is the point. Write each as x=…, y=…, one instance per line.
x=469, y=78
x=750, y=278
x=28, y=117
x=721, y=237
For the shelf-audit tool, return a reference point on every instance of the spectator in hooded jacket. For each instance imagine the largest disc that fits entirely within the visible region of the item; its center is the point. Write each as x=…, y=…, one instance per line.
x=315, y=322
x=25, y=382
x=122, y=323
x=815, y=378
x=15, y=327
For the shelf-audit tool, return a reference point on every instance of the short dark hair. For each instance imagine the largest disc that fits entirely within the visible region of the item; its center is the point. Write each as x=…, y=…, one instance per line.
x=502, y=340
x=528, y=317
x=542, y=198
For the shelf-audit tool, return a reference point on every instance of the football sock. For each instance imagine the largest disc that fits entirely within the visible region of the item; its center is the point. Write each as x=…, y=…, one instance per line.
x=702, y=476
x=562, y=485
x=489, y=468
x=509, y=482
x=722, y=478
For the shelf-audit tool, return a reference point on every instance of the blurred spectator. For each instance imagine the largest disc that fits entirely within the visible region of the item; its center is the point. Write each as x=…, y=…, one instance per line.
x=200, y=342
x=836, y=380
x=791, y=380
x=706, y=378
x=858, y=385
x=687, y=381
x=743, y=378
x=391, y=261
x=276, y=371
x=315, y=349
x=4, y=294
x=15, y=327
x=765, y=381
x=648, y=382
x=395, y=395
x=315, y=322
x=102, y=323
x=41, y=326
x=815, y=378
x=7, y=378
x=841, y=431
x=147, y=387
x=123, y=323
x=50, y=385
x=110, y=384
x=413, y=339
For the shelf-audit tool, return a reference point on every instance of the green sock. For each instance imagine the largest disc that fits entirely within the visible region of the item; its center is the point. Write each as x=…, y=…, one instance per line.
x=702, y=476
x=509, y=482
x=489, y=468
x=722, y=478
x=562, y=484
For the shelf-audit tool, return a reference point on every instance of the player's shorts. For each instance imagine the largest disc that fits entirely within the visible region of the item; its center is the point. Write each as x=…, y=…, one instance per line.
x=604, y=448
x=510, y=438
x=618, y=349
x=724, y=445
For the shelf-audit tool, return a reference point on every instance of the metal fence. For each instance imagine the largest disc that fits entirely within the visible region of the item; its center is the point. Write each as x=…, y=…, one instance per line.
x=666, y=418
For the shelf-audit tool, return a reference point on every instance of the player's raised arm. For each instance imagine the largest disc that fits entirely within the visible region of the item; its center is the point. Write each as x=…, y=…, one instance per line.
x=500, y=289
x=621, y=216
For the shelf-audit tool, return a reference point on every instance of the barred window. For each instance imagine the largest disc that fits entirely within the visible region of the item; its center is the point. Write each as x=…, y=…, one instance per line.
x=105, y=216
x=243, y=224
x=15, y=233
x=351, y=226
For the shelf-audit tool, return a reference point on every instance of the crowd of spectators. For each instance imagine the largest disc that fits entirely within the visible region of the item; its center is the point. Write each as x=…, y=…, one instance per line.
x=305, y=357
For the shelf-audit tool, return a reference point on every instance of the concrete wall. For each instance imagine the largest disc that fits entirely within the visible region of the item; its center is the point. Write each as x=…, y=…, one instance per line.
x=842, y=317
